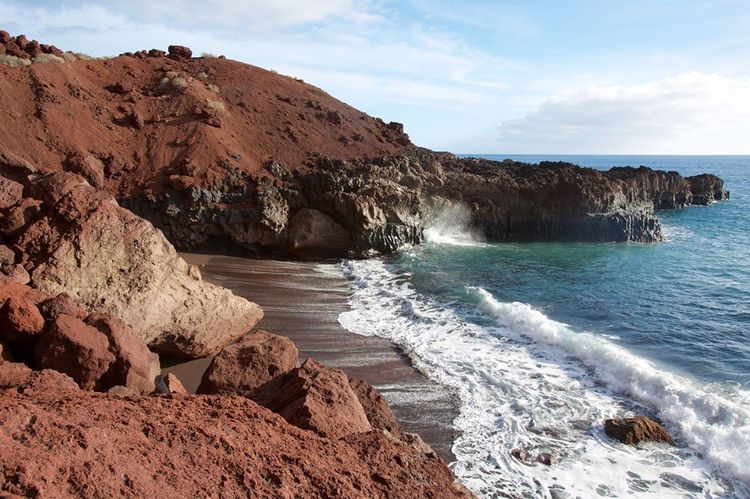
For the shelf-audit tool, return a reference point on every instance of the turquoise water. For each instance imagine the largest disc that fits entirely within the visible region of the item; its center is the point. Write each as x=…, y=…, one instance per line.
x=684, y=303
x=542, y=341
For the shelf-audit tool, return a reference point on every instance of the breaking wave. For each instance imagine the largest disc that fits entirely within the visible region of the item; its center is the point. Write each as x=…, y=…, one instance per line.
x=528, y=382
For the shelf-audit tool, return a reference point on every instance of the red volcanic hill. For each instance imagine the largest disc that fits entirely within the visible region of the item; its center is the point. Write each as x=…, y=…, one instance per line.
x=147, y=116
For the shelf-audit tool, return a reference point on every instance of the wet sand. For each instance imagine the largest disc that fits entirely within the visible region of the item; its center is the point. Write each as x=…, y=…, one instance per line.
x=303, y=301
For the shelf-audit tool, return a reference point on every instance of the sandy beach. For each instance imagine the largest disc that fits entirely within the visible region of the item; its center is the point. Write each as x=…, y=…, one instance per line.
x=303, y=300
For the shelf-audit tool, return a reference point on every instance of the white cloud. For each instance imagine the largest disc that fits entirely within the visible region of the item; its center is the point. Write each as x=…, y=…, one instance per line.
x=692, y=113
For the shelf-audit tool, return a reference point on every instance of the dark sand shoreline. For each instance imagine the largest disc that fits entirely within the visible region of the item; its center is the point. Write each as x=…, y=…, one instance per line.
x=303, y=300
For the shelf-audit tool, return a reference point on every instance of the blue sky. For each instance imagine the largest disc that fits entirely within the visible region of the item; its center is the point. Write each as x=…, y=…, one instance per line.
x=660, y=77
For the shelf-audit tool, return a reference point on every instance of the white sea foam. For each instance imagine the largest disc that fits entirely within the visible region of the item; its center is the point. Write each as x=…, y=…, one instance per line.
x=453, y=226
x=525, y=381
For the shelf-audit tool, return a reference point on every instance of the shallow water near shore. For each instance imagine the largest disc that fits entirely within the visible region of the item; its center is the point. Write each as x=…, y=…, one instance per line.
x=543, y=341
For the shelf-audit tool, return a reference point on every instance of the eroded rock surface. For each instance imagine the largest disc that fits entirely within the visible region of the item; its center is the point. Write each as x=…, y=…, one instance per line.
x=318, y=398
x=195, y=446
x=254, y=365
x=111, y=261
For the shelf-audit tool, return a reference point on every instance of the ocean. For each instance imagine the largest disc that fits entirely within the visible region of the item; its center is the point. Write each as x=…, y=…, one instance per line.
x=543, y=341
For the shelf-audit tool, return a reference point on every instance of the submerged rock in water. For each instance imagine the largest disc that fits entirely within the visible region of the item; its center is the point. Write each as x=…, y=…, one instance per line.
x=632, y=431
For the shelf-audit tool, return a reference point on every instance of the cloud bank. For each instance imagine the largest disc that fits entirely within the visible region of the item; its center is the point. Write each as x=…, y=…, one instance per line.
x=694, y=113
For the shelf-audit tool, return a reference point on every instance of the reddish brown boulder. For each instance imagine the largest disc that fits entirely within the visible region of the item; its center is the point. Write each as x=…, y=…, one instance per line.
x=632, y=431
x=21, y=324
x=16, y=273
x=196, y=446
x=18, y=216
x=317, y=398
x=135, y=366
x=62, y=304
x=21, y=41
x=252, y=365
x=4, y=37
x=13, y=375
x=88, y=167
x=76, y=349
x=48, y=381
x=10, y=288
x=180, y=52
x=10, y=191
x=376, y=409
x=174, y=385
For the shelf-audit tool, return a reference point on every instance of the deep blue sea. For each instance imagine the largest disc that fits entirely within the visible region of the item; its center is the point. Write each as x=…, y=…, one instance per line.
x=543, y=341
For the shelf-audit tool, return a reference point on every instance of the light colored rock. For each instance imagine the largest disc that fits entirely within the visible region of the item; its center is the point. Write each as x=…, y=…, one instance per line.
x=174, y=385
x=113, y=262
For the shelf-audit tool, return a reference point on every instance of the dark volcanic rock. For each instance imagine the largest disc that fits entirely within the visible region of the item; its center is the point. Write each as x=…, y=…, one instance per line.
x=180, y=52
x=253, y=365
x=381, y=204
x=638, y=429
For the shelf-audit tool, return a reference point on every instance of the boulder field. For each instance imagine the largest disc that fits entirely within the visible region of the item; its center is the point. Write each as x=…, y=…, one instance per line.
x=220, y=154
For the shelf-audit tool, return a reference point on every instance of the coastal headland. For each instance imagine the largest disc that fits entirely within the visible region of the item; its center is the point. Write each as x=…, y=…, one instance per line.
x=109, y=166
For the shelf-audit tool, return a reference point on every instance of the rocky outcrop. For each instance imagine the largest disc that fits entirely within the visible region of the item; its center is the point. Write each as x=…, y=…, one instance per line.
x=632, y=431
x=317, y=398
x=376, y=409
x=253, y=366
x=74, y=443
x=356, y=208
x=82, y=243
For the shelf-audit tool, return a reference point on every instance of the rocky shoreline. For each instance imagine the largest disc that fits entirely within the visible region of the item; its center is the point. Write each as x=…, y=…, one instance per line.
x=107, y=165
x=364, y=207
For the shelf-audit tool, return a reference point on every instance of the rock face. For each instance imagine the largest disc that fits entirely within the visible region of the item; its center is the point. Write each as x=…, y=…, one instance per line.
x=376, y=409
x=316, y=234
x=254, y=366
x=111, y=261
x=195, y=446
x=318, y=398
x=632, y=431
x=339, y=208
